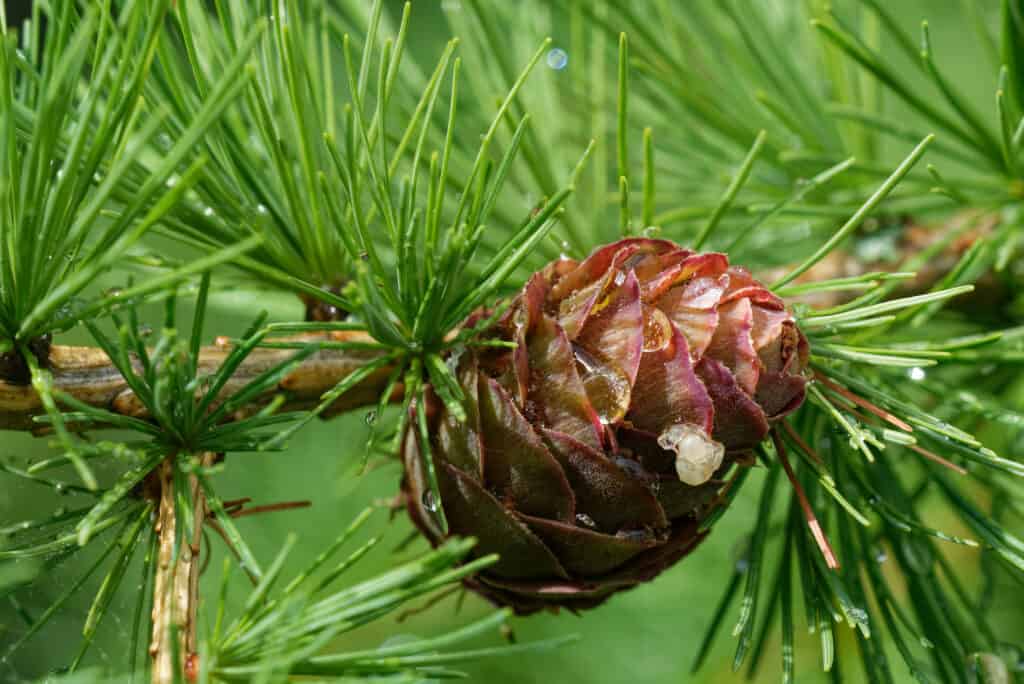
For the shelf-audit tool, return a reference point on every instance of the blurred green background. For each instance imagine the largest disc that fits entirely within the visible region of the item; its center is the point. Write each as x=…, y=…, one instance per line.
x=650, y=634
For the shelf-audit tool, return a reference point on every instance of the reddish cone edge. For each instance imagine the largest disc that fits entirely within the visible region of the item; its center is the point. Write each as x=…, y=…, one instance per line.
x=558, y=467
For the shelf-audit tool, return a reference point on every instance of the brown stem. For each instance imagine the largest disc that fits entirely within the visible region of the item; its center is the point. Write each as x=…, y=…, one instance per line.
x=164, y=584
x=812, y=520
x=270, y=508
x=863, y=403
x=932, y=456
x=176, y=587
x=87, y=374
x=199, y=513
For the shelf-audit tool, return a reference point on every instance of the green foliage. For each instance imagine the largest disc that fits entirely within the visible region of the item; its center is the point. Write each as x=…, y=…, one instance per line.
x=283, y=635
x=74, y=126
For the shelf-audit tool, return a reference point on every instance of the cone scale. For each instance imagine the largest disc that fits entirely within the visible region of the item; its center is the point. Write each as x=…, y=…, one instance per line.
x=593, y=450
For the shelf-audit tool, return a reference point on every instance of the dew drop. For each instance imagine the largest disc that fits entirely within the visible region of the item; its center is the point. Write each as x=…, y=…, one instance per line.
x=697, y=455
x=172, y=181
x=858, y=615
x=59, y=511
x=370, y=417
x=585, y=520
x=430, y=501
x=61, y=488
x=881, y=556
x=916, y=374
x=651, y=231
x=557, y=59
x=208, y=212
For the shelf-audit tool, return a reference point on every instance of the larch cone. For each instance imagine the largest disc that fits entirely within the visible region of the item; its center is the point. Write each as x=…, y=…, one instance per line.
x=593, y=450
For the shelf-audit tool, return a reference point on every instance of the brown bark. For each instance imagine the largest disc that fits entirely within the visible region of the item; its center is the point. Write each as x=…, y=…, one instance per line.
x=88, y=375
x=166, y=587
x=176, y=586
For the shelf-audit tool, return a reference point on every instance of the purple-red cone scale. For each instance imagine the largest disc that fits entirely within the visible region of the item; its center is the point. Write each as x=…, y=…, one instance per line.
x=594, y=449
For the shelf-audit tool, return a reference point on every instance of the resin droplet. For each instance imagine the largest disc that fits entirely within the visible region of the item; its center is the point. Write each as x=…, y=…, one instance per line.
x=697, y=455
x=608, y=390
x=657, y=329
